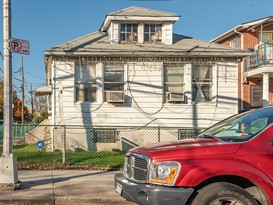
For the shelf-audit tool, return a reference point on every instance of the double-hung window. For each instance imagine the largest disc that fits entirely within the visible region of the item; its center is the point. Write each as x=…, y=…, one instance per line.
x=114, y=82
x=85, y=82
x=128, y=33
x=152, y=32
x=174, y=83
x=202, y=83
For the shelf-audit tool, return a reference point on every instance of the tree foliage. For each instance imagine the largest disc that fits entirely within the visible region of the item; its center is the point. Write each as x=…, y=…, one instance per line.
x=17, y=105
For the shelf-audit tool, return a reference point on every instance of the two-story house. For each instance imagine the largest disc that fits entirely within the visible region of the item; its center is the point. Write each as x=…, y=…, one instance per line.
x=135, y=71
x=255, y=83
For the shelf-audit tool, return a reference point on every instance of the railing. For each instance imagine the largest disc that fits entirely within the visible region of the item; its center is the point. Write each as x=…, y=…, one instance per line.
x=262, y=56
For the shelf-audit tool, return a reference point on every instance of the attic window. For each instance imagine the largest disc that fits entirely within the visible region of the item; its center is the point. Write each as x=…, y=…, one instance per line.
x=152, y=32
x=128, y=33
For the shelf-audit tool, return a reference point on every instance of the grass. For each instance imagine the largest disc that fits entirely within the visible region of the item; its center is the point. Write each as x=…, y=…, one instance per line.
x=32, y=156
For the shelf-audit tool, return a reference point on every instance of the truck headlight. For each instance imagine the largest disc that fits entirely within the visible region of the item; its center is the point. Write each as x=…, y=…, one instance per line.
x=164, y=172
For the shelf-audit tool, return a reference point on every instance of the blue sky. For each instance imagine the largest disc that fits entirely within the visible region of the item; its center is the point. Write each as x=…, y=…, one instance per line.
x=47, y=23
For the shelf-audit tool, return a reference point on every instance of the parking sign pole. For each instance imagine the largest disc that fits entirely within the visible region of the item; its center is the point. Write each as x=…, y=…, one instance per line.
x=8, y=164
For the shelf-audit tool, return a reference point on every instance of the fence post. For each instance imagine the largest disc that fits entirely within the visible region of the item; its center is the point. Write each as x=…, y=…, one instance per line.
x=158, y=133
x=64, y=145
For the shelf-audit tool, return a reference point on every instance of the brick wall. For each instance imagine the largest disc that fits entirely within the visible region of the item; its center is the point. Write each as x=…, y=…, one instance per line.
x=251, y=39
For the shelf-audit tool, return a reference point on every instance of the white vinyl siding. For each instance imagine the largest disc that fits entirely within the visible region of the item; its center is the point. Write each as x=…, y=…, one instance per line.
x=144, y=104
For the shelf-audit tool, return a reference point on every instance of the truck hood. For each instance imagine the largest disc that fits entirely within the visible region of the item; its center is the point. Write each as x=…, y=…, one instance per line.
x=188, y=148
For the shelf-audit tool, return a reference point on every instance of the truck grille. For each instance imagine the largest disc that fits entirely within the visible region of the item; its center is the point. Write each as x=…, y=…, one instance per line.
x=136, y=167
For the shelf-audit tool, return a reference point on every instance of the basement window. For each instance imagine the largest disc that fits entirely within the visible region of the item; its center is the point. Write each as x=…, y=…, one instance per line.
x=104, y=135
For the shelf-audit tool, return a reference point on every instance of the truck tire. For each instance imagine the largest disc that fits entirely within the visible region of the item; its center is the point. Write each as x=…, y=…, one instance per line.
x=222, y=193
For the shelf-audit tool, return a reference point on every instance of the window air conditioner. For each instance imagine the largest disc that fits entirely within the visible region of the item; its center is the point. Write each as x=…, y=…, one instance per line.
x=114, y=96
x=176, y=97
x=155, y=37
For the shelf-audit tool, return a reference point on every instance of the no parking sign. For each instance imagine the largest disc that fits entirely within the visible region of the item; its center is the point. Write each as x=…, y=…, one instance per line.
x=19, y=46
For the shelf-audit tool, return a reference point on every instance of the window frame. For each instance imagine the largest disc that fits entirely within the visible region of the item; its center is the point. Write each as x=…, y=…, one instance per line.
x=166, y=83
x=156, y=34
x=88, y=87
x=119, y=89
x=234, y=43
x=209, y=83
x=129, y=36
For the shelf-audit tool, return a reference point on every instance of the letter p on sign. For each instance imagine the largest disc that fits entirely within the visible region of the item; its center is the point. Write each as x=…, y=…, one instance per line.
x=19, y=46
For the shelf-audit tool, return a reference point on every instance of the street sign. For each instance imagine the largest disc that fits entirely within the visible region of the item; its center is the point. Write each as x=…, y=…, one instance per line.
x=40, y=144
x=19, y=46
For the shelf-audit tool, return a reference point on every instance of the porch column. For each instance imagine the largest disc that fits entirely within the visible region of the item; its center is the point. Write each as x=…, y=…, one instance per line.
x=265, y=89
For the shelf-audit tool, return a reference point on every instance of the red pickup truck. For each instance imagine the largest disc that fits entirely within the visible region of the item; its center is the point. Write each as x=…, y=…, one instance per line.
x=230, y=163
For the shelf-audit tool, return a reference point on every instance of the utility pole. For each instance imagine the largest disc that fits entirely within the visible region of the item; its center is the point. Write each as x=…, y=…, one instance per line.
x=23, y=91
x=8, y=164
x=31, y=98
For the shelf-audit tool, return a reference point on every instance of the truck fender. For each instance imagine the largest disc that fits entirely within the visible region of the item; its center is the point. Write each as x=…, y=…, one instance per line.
x=194, y=172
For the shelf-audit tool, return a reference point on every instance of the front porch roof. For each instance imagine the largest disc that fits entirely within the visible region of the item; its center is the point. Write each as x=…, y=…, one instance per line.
x=44, y=90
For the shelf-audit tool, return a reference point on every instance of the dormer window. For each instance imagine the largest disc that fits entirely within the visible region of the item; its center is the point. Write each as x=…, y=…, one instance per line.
x=152, y=32
x=128, y=33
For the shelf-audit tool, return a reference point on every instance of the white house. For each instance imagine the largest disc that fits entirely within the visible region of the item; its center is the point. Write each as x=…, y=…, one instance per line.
x=135, y=71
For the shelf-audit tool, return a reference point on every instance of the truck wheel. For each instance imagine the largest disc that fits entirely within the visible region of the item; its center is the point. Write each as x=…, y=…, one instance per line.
x=223, y=193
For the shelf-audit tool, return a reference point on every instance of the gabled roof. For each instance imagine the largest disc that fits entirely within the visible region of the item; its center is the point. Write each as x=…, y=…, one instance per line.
x=138, y=13
x=241, y=27
x=98, y=44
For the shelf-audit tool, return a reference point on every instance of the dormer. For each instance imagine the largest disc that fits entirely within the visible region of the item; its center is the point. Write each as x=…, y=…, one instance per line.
x=139, y=25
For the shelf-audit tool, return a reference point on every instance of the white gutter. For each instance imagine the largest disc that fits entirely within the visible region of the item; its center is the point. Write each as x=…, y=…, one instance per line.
x=242, y=38
x=242, y=86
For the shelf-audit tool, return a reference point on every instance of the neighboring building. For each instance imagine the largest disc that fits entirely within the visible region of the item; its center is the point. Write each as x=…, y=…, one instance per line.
x=135, y=71
x=255, y=84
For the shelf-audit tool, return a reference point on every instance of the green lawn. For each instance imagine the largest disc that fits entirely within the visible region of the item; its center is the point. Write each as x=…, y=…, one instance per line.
x=32, y=156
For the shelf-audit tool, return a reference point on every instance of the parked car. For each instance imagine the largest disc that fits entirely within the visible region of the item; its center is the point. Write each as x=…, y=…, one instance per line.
x=228, y=163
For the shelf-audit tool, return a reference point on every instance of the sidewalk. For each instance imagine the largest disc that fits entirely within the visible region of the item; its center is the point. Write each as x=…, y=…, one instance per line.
x=65, y=187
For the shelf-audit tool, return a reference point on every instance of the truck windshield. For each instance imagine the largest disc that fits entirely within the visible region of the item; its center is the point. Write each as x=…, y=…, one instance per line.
x=241, y=127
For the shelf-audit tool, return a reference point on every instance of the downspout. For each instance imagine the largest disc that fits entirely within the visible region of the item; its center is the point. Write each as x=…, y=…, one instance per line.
x=242, y=86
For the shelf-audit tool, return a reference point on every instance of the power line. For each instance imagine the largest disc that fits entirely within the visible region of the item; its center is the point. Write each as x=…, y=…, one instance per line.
x=34, y=75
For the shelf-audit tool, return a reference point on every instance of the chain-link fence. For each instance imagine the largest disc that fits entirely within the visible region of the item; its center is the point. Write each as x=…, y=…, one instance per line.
x=85, y=146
